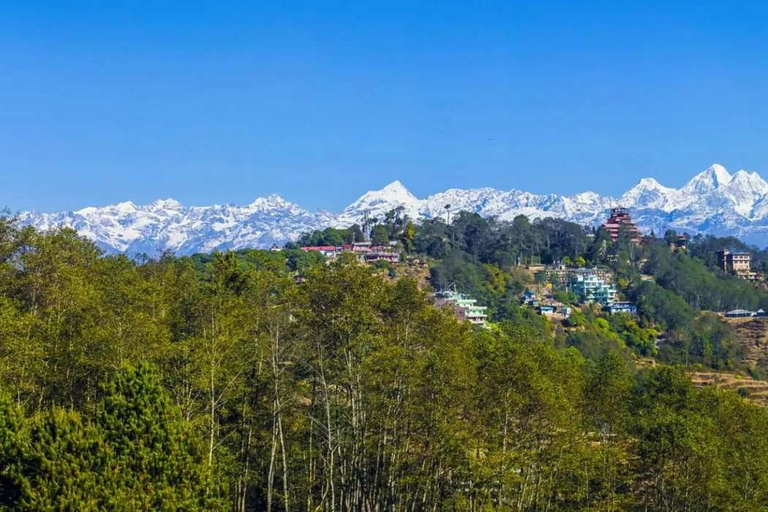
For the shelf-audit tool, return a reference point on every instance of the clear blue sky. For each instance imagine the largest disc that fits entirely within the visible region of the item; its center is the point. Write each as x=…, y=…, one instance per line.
x=319, y=101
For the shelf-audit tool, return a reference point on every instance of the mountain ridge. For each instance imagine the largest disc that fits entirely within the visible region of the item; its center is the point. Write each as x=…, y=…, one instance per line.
x=714, y=201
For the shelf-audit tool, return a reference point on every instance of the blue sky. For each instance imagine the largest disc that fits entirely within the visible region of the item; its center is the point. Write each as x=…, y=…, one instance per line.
x=213, y=102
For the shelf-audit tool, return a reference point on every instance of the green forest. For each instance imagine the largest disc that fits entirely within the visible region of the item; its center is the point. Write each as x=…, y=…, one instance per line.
x=221, y=382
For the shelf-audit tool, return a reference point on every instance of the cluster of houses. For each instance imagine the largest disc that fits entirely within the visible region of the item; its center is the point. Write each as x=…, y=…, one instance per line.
x=365, y=252
x=546, y=307
x=590, y=285
x=590, y=291
x=551, y=307
x=561, y=276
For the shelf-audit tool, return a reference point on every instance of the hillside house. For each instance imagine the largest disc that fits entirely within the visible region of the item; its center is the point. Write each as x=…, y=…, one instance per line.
x=740, y=313
x=734, y=261
x=365, y=252
x=738, y=263
x=622, y=307
x=554, y=308
x=591, y=289
x=547, y=309
x=329, y=251
x=465, y=307
x=529, y=299
x=382, y=253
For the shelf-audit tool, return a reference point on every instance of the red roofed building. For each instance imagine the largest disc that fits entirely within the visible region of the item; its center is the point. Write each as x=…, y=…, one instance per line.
x=620, y=219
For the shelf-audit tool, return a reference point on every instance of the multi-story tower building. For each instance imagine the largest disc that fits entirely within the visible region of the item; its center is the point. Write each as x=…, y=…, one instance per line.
x=739, y=263
x=734, y=261
x=619, y=221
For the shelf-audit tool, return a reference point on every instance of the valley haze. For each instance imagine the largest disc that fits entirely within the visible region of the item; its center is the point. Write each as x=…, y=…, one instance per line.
x=713, y=202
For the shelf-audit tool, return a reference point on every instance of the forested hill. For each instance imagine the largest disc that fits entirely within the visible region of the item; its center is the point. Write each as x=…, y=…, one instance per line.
x=224, y=383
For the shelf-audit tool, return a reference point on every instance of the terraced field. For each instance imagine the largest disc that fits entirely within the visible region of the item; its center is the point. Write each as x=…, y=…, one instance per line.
x=753, y=334
x=756, y=390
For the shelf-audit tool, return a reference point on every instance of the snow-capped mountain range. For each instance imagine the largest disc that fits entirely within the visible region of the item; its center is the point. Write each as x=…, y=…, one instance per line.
x=167, y=225
x=714, y=201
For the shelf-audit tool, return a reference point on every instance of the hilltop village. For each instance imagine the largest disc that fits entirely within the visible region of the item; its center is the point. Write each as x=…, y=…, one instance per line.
x=587, y=286
x=554, y=290
x=671, y=298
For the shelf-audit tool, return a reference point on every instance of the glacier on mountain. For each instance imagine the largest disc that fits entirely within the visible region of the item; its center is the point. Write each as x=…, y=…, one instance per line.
x=714, y=202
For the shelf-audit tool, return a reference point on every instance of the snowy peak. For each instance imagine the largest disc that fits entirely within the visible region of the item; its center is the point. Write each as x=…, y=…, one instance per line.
x=718, y=175
x=745, y=190
x=271, y=202
x=648, y=193
x=393, y=192
x=120, y=209
x=374, y=204
x=713, y=178
x=166, y=204
x=588, y=197
x=649, y=183
x=748, y=181
x=396, y=188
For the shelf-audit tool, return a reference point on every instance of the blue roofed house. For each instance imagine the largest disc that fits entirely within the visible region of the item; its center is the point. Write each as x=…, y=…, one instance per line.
x=547, y=309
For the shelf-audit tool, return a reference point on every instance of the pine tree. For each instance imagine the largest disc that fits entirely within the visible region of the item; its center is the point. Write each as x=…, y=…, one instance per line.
x=159, y=463
x=10, y=452
x=136, y=454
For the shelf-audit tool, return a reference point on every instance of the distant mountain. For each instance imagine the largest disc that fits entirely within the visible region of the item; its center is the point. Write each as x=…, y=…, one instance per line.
x=166, y=225
x=714, y=201
x=376, y=203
